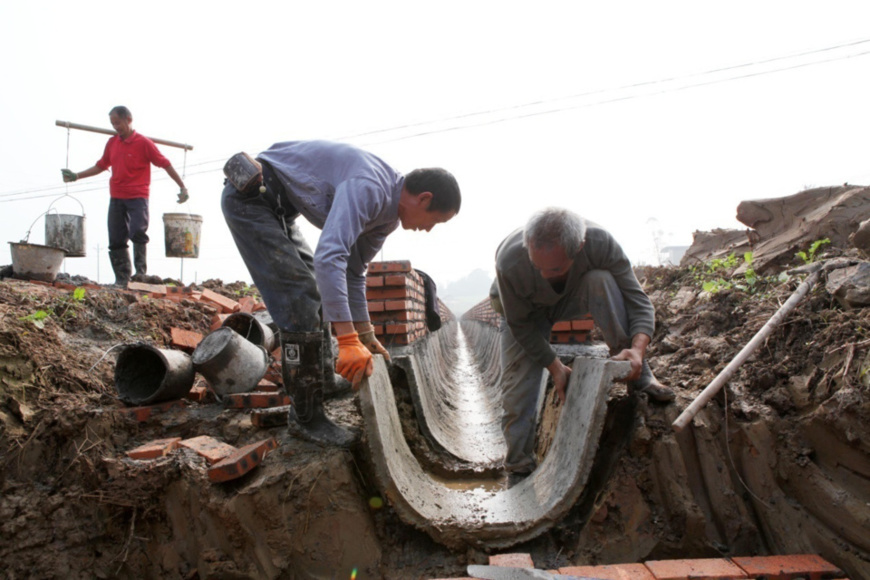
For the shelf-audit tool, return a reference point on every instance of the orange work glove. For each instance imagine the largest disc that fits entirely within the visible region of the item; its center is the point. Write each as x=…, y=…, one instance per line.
x=354, y=360
x=373, y=344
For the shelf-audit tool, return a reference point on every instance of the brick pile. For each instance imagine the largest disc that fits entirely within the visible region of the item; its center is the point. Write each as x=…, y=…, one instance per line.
x=397, y=302
x=790, y=567
x=483, y=312
x=564, y=332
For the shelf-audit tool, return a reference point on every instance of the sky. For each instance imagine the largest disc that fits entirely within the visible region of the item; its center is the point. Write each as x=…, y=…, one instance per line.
x=652, y=119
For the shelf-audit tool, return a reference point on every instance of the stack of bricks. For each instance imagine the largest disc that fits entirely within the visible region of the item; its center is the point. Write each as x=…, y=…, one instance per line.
x=572, y=331
x=446, y=313
x=483, y=312
x=397, y=304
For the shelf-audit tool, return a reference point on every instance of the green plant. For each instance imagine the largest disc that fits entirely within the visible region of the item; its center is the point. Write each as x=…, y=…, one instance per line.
x=79, y=294
x=37, y=317
x=713, y=286
x=809, y=256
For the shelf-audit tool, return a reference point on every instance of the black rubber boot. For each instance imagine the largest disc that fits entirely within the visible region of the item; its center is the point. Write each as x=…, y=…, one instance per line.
x=120, y=260
x=649, y=384
x=140, y=261
x=303, y=374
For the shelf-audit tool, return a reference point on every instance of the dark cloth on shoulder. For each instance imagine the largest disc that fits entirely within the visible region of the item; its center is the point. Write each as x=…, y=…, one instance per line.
x=433, y=313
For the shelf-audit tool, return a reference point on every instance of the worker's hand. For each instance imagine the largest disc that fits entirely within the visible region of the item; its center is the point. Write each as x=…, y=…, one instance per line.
x=354, y=360
x=560, y=373
x=68, y=175
x=183, y=195
x=373, y=344
x=635, y=357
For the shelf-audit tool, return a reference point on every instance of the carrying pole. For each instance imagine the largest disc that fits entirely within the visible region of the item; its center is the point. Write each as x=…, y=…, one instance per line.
x=69, y=125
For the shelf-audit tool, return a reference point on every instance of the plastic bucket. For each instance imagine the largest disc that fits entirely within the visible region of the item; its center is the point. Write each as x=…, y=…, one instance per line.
x=229, y=363
x=181, y=233
x=252, y=329
x=66, y=232
x=145, y=374
x=35, y=262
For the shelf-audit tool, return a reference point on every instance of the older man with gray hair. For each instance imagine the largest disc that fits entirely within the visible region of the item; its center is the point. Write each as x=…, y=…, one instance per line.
x=562, y=267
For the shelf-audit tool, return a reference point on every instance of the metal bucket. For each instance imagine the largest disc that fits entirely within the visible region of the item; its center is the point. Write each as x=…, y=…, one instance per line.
x=145, y=374
x=229, y=363
x=252, y=329
x=66, y=232
x=35, y=262
x=181, y=233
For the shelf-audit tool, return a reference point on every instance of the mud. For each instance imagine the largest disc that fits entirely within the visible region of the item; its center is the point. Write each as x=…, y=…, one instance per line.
x=779, y=462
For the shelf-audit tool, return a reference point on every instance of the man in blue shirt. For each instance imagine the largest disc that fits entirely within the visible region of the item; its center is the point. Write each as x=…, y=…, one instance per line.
x=356, y=200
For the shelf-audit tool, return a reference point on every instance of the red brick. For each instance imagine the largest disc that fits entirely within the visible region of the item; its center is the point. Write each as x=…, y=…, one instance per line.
x=273, y=417
x=569, y=337
x=142, y=414
x=92, y=286
x=217, y=321
x=390, y=293
x=246, y=304
x=374, y=281
x=512, y=560
x=583, y=324
x=154, y=449
x=394, y=266
x=707, y=568
x=562, y=326
x=227, y=305
x=213, y=450
x=787, y=567
x=64, y=285
x=615, y=572
x=158, y=289
x=255, y=400
x=258, y=306
x=184, y=339
x=242, y=461
x=376, y=305
x=398, y=305
x=198, y=393
x=397, y=316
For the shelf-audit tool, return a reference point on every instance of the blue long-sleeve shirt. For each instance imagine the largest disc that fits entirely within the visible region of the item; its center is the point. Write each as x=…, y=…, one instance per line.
x=352, y=196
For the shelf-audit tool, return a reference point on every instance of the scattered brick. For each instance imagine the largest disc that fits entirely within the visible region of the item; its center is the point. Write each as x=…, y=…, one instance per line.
x=142, y=414
x=198, y=393
x=394, y=266
x=247, y=303
x=241, y=462
x=213, y=450
x=273, y=417
x=154, y=449
x=158, y=289
x=227, y=305
x=512, y=560
x=707, y=568
x=217, y=321
x=610, y=572
x=64, y=285
x=184, y=339
x=92, y=286
x=255, y=400
x=787, y=567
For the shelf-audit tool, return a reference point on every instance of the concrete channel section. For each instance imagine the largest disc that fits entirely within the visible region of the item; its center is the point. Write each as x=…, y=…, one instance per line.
x=478, y=516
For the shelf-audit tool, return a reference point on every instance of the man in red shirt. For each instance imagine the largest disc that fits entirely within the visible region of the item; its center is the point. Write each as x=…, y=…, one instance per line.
x=130, y=155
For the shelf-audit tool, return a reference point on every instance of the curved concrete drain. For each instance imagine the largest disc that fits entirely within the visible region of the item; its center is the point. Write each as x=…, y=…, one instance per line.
x=478, y=517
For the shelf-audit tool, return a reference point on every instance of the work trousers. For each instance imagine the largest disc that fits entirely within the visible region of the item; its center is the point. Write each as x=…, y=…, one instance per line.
x=280, y=263
x=597, y=294
x=128, y=221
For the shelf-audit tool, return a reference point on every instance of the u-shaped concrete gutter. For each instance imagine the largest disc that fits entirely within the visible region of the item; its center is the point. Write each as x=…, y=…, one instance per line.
x=478, y=517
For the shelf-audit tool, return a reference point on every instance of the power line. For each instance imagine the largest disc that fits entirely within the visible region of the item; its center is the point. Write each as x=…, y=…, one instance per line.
x=18, y=194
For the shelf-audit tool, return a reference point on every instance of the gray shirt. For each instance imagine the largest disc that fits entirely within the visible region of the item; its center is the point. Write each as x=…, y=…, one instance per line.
x=353, y=198
x=526, y=296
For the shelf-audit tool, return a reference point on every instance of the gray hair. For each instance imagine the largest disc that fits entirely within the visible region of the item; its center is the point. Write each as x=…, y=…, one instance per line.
x=555, y=226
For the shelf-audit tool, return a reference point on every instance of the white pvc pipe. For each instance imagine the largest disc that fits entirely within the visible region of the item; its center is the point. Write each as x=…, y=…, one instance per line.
x=710, y=391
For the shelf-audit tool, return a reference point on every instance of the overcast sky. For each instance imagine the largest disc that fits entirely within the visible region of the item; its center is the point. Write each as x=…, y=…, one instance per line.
x=654, y=119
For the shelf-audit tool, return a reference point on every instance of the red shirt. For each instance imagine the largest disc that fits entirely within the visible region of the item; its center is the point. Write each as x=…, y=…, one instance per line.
x=130, y=160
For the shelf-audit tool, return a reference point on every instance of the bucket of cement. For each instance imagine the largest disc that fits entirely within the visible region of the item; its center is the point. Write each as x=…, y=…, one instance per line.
x=66, y=232
x=181, y=233
x=35, y=262
x=145, y=375
x=252, y=329
x=229, y=363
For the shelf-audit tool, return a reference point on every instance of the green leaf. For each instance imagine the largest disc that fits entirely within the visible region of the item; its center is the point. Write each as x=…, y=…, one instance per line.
x=79, y=294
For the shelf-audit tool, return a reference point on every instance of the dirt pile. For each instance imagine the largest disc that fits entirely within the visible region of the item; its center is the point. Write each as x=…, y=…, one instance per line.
x=778, y=463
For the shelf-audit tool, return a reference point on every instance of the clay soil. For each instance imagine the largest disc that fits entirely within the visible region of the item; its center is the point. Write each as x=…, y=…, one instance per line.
x=779, y=462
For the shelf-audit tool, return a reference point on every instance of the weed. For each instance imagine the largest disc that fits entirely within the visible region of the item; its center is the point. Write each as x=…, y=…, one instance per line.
x=809, y=256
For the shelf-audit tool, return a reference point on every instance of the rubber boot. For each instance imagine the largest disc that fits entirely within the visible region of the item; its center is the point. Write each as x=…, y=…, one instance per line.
x=120, y=260
x=303, y=373
x=140, y=261
x=649, y=384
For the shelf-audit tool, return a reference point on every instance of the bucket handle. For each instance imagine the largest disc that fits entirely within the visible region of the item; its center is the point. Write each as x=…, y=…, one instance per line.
x=60, y=198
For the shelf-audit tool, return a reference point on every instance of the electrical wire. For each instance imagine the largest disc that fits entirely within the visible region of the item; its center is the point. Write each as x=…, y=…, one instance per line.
x=23, y=195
